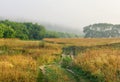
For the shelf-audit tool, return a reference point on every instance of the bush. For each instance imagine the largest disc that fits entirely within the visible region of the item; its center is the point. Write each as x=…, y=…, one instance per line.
x=66, y=61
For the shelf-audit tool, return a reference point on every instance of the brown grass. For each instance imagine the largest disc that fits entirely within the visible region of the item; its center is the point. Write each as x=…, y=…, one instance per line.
x=83, y=41
x=101, y=62
x=17, y=69
x=23, y=66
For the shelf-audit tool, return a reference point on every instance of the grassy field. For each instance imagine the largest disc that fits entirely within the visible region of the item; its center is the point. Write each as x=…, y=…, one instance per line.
x=82, y=41
x=97, y=60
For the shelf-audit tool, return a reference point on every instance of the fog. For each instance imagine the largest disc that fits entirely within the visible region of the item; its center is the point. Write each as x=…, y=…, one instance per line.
x=73, y=13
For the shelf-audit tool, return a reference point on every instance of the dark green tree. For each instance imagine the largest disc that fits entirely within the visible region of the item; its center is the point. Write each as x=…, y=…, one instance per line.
x=102, y=30
x=35, y=31
x=1, y=30
x=19, y=28
x=8, y=32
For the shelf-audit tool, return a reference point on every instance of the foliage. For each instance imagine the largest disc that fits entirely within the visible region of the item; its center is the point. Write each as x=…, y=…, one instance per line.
x=35, y=31
x=6, y=32
x=27, y=30
x=54, y=34
x=102, y=30
x=66, y=62
x=55, y=73
x=1, y=31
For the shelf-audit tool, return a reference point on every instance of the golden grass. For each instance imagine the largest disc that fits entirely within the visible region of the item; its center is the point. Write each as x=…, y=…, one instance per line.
x=23, y=67
x=17, y=68
x=83, y=41
x=16, y=43
x=102, y=63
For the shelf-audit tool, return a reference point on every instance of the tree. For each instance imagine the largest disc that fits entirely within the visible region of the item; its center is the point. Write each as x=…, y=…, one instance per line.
x=36, y=31
x=102, y=30
x=8, y=32
x=19, y=28
x=26, y=30
x=1, y=30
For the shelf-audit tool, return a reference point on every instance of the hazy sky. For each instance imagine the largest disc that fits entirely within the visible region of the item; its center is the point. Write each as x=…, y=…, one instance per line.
x=74, y=13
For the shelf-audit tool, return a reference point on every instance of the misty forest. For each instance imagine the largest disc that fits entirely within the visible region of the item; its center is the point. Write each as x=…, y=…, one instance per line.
x=27, y=30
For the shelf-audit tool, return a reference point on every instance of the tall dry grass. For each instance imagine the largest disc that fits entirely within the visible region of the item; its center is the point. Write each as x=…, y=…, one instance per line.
x=83, y=41
x=24, y=65
x=17, y=68
x=102, y=63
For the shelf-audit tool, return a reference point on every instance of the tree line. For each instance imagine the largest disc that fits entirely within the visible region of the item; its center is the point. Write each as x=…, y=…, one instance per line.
x=28, y=30
x=102, y=30
x=54, y=34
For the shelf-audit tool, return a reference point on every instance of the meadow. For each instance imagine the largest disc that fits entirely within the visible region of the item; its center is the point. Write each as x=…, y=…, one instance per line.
x=97, y=60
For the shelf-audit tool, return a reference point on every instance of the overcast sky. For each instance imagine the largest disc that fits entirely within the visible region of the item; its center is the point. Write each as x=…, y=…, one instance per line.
x=74, y=13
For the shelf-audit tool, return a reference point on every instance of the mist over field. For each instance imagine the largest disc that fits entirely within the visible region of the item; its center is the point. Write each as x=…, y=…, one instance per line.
x=73, y=14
